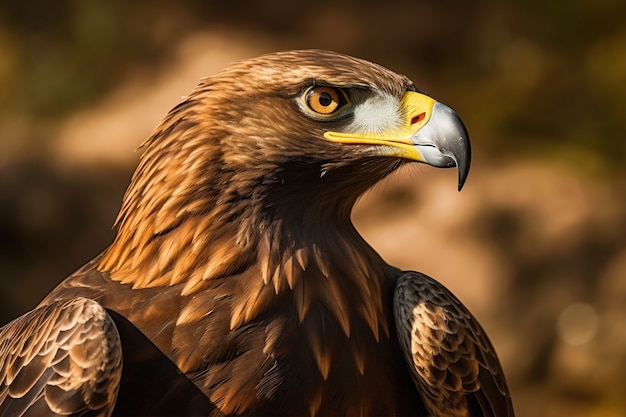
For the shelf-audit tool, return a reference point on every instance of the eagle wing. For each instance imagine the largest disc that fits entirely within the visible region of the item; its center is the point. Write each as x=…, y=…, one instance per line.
x=61, y=359
x=450, y=357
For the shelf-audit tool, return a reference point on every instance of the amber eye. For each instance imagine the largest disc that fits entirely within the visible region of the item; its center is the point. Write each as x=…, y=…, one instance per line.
x=324, y=100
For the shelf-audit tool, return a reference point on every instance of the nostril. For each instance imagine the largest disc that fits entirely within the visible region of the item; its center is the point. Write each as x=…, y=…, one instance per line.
x=418, y=118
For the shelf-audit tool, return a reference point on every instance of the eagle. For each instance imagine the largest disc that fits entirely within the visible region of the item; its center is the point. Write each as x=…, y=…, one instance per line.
x=237, y=284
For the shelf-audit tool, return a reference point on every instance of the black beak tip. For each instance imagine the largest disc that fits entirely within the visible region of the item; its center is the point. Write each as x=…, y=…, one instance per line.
x=463, y=155
x=463, y=167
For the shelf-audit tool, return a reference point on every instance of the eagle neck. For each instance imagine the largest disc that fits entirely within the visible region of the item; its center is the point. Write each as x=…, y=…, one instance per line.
x=321, y=263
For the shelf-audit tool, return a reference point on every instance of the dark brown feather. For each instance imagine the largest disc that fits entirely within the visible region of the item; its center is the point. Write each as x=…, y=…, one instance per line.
x=451, y=359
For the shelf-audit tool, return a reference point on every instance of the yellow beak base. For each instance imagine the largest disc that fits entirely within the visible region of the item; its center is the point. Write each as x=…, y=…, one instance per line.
x=416, y=109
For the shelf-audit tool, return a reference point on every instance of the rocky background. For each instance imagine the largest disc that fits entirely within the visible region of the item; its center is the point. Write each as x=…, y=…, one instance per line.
x=535, y=244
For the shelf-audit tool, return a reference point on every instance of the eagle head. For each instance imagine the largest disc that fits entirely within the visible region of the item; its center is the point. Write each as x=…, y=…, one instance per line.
x=270, y=143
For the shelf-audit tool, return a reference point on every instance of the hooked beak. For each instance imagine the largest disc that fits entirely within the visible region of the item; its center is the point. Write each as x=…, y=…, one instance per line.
x=431, y=133
x=444, y=141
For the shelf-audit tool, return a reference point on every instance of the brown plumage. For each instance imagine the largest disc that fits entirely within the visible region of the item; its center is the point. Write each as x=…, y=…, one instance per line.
x=237, y=283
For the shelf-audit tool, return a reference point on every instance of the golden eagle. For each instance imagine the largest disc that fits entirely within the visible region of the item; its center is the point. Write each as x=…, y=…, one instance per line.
x=237, y=283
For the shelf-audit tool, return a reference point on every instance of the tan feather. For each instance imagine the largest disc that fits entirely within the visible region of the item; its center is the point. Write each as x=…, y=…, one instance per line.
x=315, y=402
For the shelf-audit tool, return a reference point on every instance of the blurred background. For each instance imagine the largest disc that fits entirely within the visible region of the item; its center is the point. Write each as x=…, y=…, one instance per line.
x=535, y=245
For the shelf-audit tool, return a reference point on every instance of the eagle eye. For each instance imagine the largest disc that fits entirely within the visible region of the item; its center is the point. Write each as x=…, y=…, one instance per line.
x=325, y=100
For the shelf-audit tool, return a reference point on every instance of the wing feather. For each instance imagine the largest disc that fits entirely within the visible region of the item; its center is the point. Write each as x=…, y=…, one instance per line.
x=450, y=357
x=64, y=358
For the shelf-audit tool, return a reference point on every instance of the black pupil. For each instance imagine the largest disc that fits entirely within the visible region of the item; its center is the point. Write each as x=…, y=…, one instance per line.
x=325, y=99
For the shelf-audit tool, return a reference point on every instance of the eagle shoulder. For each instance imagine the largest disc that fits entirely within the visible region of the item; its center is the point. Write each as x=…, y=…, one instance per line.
x=64, y=358
x=449, y=355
